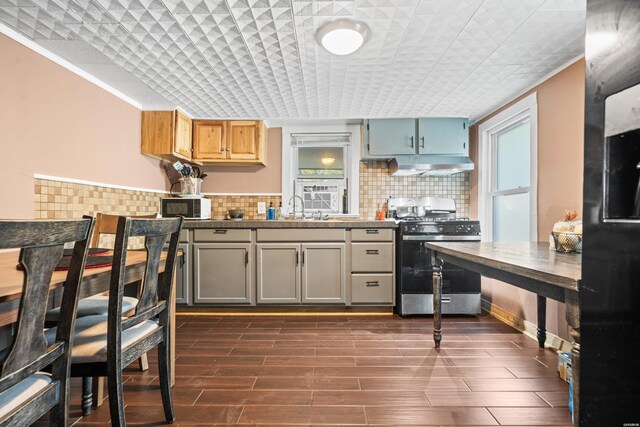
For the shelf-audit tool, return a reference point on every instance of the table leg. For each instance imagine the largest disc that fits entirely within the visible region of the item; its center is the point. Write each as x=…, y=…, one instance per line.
x=87, y=395
x=572, y=307
x=437, y=299
x=542, y=321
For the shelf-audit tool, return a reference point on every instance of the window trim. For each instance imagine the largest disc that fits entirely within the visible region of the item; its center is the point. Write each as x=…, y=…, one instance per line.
x=353, y=170
x=487, y=131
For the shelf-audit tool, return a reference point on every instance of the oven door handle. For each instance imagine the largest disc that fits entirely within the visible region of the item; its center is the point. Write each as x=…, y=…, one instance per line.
x=441, y=238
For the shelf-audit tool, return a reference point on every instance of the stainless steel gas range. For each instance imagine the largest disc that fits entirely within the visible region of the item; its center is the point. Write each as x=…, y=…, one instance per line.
x=428, y=219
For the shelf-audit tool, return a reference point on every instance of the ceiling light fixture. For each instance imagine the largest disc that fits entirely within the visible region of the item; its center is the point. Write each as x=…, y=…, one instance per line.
x=327, y=161
x=342, y=36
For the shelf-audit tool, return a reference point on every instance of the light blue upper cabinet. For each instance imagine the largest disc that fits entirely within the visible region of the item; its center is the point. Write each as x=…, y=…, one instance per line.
x=388, y=137
x=443, y=136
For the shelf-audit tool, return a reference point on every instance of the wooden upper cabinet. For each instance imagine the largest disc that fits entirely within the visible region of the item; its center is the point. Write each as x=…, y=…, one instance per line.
x=171, y=135
x=209, y=140
x=233, y=142
x=244, y=140
x=166, y=135
x=183, y=135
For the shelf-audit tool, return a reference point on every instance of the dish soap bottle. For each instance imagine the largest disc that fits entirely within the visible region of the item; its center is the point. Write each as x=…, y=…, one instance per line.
x=271, y=212
x=279, y=215
x=345, y=207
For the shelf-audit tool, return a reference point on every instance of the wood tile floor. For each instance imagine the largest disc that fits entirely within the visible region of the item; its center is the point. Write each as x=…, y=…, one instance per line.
x=369, y=370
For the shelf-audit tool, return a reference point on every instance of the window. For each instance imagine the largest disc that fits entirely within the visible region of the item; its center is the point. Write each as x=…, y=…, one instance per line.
x=508, y=174
x=318, y=166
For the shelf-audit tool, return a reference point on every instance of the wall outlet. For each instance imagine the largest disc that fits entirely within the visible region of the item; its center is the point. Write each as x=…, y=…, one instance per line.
x=262, y=207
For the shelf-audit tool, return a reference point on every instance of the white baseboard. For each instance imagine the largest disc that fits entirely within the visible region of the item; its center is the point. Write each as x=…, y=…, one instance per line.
x=527, y=328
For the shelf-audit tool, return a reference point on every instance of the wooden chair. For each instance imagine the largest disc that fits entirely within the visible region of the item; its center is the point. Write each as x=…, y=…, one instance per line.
x=27, y=393
x=104, y=346
x=99, y=304
x=108, y=224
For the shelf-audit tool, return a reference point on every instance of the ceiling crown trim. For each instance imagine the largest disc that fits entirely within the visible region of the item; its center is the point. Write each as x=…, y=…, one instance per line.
x=14, y=35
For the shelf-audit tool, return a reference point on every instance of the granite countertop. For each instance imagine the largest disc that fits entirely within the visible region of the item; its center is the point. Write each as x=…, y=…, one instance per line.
x=355, y=223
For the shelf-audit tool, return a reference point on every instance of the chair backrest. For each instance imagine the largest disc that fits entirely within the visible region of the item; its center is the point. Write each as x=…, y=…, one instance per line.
x=108, y=224
x=155, y=294
x=41, y=245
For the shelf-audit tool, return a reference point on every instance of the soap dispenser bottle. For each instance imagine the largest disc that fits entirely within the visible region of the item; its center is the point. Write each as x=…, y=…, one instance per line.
x=271, y=212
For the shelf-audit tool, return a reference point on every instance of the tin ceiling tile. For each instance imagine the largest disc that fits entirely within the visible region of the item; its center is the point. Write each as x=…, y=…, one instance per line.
x=259, y=58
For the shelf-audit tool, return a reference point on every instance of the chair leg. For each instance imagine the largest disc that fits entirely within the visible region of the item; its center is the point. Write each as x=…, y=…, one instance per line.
x=56, y=416
x=98, y=391
x=144, y=362
x=87, y=395
x=165, y=380
x=116, y=401
x=59, y=414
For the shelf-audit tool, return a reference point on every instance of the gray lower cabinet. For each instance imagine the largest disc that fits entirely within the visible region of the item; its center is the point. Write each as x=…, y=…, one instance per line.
x=183, y=278
x=301, y=273
x=372, y=257
x=278, y=273
x=323, y=273
x=372, y=266
x=222, y=273
x=372, y=288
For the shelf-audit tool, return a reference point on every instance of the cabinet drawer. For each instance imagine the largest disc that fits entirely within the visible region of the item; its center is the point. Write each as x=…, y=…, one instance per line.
x=301, y=235
x=372, y=235
x=222, y=235
x=372, y=288
x=372, y=257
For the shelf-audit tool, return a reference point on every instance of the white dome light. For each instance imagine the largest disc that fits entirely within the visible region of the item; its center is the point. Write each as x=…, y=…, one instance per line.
x=343, y=36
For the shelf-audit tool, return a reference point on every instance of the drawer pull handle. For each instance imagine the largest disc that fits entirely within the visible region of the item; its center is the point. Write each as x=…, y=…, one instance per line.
x=373, y=252
x=220, y=231
x=372, y=284
x=445, y=300
x=372, y=231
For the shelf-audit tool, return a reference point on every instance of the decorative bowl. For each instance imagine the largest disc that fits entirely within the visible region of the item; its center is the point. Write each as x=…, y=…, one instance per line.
x=236, y=213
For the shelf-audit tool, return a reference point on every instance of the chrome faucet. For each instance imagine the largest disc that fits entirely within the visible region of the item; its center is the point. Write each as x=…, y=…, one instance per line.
x=295, y=196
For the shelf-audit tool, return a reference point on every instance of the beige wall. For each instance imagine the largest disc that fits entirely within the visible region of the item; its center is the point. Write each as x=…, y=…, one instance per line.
x=249, y=179
x=560, y=166
x=54, y=122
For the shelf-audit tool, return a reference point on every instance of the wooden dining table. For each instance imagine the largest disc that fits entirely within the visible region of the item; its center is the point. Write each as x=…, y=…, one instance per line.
x=532, y=266
x=94, y=281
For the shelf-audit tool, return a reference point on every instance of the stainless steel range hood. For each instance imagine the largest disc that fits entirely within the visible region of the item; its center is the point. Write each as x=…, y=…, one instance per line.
x=425, y=164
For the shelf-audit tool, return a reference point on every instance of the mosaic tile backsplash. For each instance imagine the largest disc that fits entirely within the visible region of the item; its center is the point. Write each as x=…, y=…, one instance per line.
x=63, y=200
x=376, y=186
x=221, y=204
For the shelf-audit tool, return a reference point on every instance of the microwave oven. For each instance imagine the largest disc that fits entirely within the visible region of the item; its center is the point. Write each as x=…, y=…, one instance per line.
x=188, y=207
